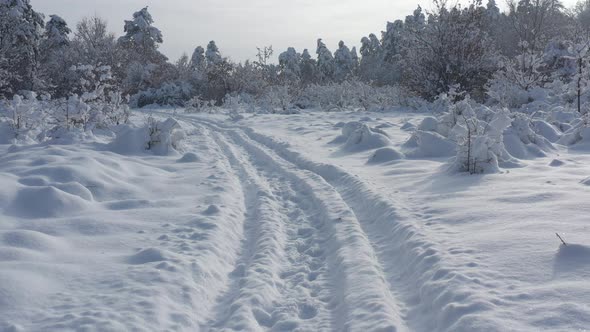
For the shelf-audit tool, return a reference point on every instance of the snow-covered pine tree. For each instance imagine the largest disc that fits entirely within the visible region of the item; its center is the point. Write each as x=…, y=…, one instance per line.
x=355, y=60
x=56, y=57
x=213, y=55
x=308, y=68
x=326, y=65
x=197, y=62
x=143, y=39
x=343, y=61
x=370, y=67
x=290, y=65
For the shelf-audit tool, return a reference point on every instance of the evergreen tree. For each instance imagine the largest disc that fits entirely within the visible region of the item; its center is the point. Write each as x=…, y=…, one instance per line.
x=56, y=57
x=326, y=65
x=343, y=61
x=290, y=65
x=142, y=39
x=308, y=68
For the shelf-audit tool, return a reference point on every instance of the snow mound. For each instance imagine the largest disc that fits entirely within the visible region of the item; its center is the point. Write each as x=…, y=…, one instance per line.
x=408, y=126
x=424, y=144
x=31, y=240
x=522, y=142
x=571, y=258
x=428, y=124
x=189, y=157
x=586, y=181
x=149, y=255
x=363, y=138
x=578, y=135
x=45, y=202
x=159, y=137
x=212, y=209
x=384, y=155
x=556, y=163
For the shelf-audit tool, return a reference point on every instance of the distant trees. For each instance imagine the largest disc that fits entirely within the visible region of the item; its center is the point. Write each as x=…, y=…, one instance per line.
x=432, y=67
x=471, y=49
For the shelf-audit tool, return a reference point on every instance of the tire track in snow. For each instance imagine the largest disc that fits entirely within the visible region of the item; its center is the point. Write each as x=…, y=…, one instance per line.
x=366, y=301
x=253, y=279
x=437, y=298
x=302, y=285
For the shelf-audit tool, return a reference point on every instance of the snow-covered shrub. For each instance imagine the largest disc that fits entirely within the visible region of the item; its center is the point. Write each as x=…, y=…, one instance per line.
x=349, y=95
x=159, y=137
x=522, y=141
x=480, y=145
x=170, y=94
x=365, y=138
x=426, y=144
x=196, y=105
x=357, y=136
x=579, y=133
x=23, y=116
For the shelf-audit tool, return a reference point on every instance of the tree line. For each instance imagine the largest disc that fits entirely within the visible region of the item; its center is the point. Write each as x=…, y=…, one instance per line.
x=476, y=50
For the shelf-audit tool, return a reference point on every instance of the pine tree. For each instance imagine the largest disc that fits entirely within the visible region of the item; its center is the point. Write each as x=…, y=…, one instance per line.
x=344, y=64
x=308, y=68
x=56, y=57
x=212, y=55
x=326, y=65
x=290, y=65
x=197, y=62
x=142, y=39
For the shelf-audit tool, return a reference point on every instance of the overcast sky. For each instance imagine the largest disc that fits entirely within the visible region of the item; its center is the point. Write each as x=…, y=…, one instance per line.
x=238, y=26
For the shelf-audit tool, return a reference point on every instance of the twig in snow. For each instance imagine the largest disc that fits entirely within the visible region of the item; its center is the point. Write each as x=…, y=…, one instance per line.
x=562, y=241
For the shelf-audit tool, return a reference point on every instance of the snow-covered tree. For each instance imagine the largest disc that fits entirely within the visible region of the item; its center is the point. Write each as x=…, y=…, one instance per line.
x=20, y=35
x=219, y=72
x=452, y=49
x=480, y=145
x=93, y=44
x=325, y=63
x=370, y=67
x=213, y=55
x=344, y=63
x=290, y=65
x=355, y=60
x=56, y=34
x=198, y=59
x=56, y=57
x=535, y=22
x=142, y=39
x=308, y=68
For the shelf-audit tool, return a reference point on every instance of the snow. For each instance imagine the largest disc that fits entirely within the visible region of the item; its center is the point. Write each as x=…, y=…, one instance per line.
x=310, y=221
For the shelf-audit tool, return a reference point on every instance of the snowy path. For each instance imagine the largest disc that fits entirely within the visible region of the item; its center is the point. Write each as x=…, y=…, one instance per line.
x=372, y=266
x=306, y=262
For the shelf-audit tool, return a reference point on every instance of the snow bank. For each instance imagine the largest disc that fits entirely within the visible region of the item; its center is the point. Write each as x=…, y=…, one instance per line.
x=50, y=202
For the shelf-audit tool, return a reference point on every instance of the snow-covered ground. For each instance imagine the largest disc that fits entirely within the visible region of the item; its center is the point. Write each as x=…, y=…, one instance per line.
x=278, y=222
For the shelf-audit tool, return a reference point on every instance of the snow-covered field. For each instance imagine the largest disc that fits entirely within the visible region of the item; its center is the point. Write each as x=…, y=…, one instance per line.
x=279, y=222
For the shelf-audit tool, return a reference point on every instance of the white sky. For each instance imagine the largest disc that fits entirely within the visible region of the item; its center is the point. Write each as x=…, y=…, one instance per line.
x=238, y=26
